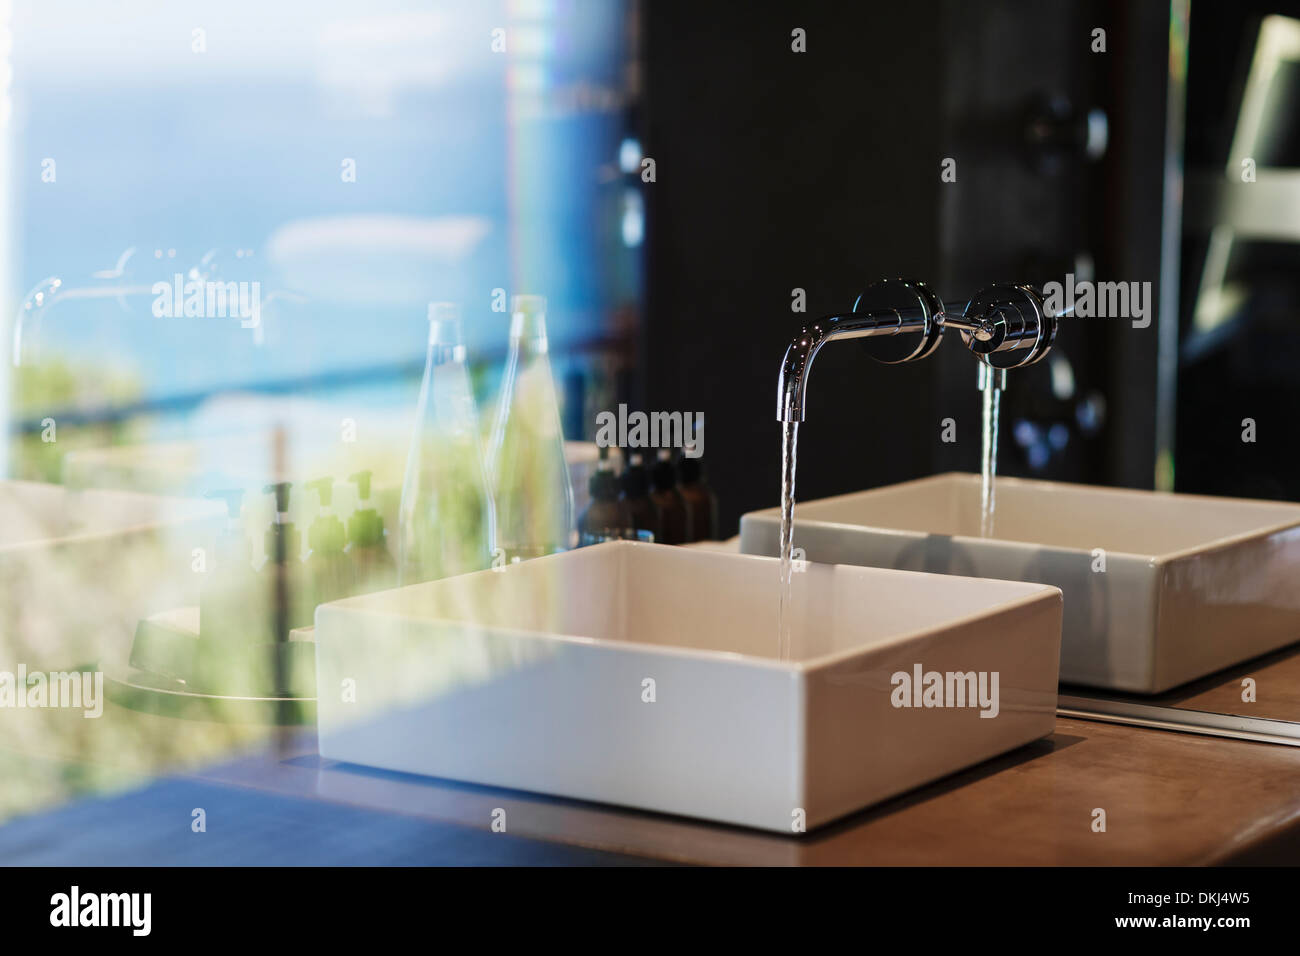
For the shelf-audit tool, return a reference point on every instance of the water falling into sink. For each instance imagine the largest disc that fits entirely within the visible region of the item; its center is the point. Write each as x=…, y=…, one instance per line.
x=789, y=439
x=991, y=382
x=905, y=320
x=989, y=459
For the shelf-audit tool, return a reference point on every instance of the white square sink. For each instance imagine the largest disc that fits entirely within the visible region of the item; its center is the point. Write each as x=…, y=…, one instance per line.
x=1190, y=585
x=79, y=569
x=648, y=676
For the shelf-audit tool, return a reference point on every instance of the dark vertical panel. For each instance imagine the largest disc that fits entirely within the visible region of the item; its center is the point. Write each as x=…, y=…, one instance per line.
x=1018, y=213
x=779, y=170
x=1135, y=212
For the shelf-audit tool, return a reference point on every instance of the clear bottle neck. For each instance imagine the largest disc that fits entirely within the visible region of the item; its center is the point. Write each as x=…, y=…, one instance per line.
x=442, y=354
x=528, y=325
x=446, y=399
x=445, y=344
x=528, y=334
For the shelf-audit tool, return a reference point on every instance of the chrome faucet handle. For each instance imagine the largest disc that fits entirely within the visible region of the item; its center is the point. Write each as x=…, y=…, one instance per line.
x=1007, y=326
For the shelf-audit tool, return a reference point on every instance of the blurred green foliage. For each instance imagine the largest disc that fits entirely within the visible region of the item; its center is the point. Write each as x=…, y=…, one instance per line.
x=45, y=390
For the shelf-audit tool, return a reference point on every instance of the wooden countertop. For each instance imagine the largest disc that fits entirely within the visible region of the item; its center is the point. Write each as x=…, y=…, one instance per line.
x=1170, y=799
x=1277, y=691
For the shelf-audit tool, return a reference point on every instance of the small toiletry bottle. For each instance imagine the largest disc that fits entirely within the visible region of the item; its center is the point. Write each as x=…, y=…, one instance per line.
x=635, y=482
x=282, y=573
x=606, y=517
x=230, y=592
x=673, y=517
x=330, y=576
x=701, y=502
x=372, y=564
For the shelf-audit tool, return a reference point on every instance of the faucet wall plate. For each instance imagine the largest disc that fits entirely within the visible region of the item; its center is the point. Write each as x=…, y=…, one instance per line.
x=1160, y=589
x=647, y=675
x=907, y=297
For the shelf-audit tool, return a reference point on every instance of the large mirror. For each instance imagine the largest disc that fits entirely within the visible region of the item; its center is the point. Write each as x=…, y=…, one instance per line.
x=1234, y=117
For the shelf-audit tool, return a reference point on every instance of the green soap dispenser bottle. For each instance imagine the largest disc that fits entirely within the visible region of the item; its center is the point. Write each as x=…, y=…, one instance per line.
x=231, y=592
x=283, y=572
x=367, y=548
x=330, y=576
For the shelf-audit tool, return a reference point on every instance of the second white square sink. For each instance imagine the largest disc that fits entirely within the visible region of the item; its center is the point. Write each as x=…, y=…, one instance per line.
x=80, y=569
x=647, y=675
x=1160, y=589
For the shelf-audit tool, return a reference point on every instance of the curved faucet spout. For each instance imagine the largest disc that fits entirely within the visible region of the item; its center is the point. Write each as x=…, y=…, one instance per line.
x=887, y=309
x=792, y=385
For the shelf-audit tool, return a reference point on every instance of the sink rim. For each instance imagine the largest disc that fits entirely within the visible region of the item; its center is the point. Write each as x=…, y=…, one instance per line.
x=370, y=604
x=1153, y=558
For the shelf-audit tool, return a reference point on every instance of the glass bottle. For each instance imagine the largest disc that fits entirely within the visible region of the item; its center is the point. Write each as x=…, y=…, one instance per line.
x=529, y=474
x=445, y=516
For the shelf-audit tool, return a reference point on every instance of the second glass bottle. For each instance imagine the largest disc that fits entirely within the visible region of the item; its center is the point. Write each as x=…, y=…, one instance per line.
x=526, y=462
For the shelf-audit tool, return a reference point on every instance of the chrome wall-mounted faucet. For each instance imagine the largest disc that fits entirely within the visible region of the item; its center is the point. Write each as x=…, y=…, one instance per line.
x=1004, y=326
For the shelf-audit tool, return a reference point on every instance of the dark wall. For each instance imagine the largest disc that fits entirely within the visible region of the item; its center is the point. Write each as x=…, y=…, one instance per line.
x=821, y=171
x=776, y=171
